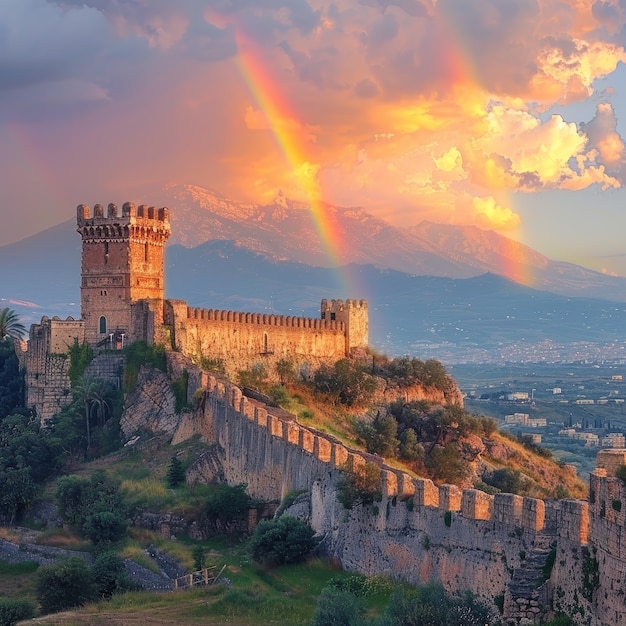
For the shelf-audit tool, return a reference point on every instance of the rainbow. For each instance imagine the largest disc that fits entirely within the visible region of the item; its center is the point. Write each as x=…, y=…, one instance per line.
x=283, y=122
x=464, y=75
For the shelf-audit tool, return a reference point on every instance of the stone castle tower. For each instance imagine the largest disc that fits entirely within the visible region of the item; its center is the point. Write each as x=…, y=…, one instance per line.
x=122, y=269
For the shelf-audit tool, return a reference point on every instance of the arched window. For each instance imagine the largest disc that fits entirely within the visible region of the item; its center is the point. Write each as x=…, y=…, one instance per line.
x=103, y=324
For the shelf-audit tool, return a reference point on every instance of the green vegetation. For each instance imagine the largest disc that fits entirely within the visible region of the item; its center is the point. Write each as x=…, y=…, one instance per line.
x=10, y=325
x=361, y=487
x=591, y=575
x=13, y=610
x=28, y=456
x=175, y=473
x=140, y=353
x=227, y=505
x=93, y=507
x=347, y=382
x=11, y=380
x=255, y=377
x=282, y=540
x=80, y=356
x=65, y=585
x=620, y=473
x=180, y=387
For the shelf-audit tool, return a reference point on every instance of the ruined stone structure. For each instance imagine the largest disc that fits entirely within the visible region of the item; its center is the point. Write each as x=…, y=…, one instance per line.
x=123, y=300
x=533, y=558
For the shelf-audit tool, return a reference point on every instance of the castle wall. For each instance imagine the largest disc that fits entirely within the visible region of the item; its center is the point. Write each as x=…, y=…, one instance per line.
x=418, y=531
x=47, y=364
x=241, y=340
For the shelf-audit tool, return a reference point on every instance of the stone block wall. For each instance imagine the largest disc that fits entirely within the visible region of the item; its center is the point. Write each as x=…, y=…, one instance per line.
x=47, y=365
x=241, y=340
x=419, y=531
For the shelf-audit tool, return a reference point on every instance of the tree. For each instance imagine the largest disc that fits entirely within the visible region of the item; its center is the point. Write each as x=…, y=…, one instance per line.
x=105, y=528
x=347, y=382
x=91, y=393
x=285, y=370
x=109, y=575
x=17, y=491
x=226, y=504
x=175, y=473
x=338, y=608
x=11, y=379
x=360, y=487
x=282, y=540
x=65, y=585
x=13, y=610
x=93, y=507
x=10, y=325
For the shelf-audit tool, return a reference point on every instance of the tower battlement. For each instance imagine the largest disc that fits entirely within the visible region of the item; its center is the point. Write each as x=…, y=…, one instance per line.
x=354, y=314
x=129, y=212
x=122, y=264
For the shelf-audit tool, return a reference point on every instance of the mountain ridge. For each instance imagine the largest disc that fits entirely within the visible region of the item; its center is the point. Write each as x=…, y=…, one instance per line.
x=267, y=266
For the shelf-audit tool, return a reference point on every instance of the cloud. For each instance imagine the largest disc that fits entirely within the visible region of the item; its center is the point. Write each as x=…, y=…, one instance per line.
x=489, y=214
x=603, y=136
x=413, y=109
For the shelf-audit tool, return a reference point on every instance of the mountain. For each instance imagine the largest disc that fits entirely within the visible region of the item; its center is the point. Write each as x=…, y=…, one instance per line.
x=286, y=230
x=433, y=290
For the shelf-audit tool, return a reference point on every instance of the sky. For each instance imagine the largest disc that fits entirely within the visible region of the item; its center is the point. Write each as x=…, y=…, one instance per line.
x=506, y=114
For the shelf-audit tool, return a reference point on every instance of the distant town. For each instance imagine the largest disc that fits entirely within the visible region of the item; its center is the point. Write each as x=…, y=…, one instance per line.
x=573, y=409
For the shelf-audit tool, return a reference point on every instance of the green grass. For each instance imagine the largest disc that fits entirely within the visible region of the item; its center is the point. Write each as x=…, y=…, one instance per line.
x=19, y=580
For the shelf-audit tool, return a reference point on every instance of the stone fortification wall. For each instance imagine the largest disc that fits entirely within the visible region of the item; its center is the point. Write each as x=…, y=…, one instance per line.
x=241, y=340
x=607, y=547
x=47, y=364
x=418, y=531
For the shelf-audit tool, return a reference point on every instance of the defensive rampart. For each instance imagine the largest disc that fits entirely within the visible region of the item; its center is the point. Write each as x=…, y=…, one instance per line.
x=241, y=340
x=46, y=363
x=526, y=555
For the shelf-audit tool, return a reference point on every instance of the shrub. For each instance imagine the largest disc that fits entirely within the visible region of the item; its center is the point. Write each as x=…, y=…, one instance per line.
x=180, y=387
x=380, y=436
x=140, y=353
x=282, y=540
x=93, y=507
x=360, y=487
x=255, y=377
x=347, y=382
x=620, y=472
x=338, y=608
x=431, y=606
x=13, y=610
x=65, y=585
x=445, y=464
x=227, y=504
x=81, y=354
x=105, y=527
x=109, y=575
x=506, y=480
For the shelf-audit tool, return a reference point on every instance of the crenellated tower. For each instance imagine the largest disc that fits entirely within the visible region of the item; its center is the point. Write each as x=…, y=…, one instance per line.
x=122, y=272
x=354, y=314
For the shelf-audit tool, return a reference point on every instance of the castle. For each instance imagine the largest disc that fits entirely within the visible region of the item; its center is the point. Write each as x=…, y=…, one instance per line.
x=123, y=301
x=530, y=558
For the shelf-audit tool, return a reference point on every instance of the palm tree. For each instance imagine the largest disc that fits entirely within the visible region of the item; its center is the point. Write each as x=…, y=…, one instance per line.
x=10, y=325
x=92, y=394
